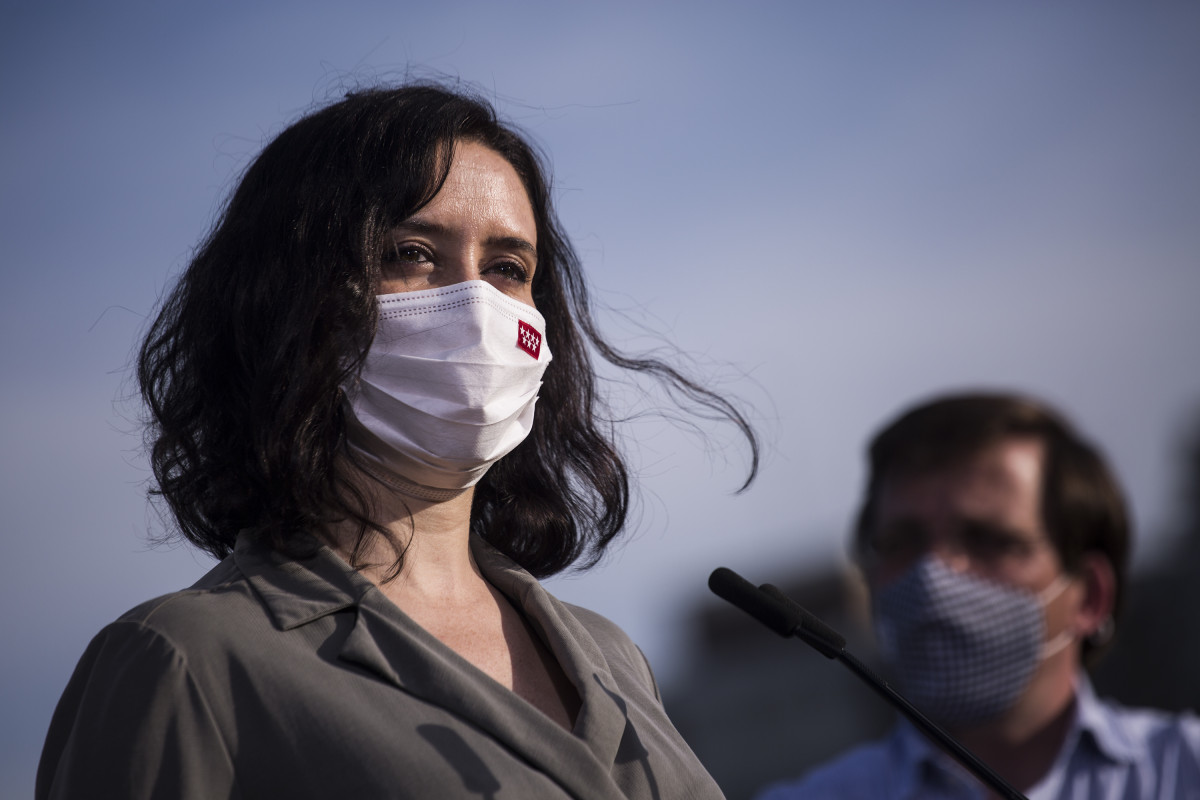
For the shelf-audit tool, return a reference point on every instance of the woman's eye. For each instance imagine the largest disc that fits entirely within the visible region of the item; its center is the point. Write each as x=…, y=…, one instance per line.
x=408, y=254
x=513, y=270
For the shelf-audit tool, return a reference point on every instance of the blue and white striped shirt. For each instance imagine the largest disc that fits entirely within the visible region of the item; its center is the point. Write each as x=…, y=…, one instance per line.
x=1111, y=752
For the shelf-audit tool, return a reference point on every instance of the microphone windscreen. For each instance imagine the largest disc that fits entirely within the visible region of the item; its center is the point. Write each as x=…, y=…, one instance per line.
x=778, y=616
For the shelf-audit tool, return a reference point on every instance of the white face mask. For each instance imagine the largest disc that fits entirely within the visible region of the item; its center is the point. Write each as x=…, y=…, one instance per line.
x=962, y=648
x=448, y=386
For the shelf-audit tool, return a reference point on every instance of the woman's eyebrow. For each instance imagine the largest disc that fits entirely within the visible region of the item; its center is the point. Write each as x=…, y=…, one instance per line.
x=420, y=226
x=512, y=242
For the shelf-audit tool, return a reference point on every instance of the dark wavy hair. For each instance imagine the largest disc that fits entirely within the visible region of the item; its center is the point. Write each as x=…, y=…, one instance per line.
x=1083, y=508
x=241, y=371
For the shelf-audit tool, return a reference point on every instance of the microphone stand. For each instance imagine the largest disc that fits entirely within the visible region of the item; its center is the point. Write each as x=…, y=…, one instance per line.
x=785, y=616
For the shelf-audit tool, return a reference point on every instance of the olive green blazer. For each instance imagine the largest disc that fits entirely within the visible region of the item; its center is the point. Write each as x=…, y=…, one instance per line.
x=275, y=677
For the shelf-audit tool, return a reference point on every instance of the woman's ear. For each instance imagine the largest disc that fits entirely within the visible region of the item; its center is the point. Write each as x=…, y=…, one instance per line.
x=1099, y=595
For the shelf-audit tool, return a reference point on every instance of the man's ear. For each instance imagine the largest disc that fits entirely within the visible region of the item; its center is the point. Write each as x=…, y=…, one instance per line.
x=1099, y=594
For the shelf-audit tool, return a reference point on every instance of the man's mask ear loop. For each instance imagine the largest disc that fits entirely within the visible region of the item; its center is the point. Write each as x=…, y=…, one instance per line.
x=1045, y=598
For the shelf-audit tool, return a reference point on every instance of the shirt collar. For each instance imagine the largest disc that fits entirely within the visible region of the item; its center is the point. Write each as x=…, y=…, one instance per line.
x=298, y=590
x=1097, y=724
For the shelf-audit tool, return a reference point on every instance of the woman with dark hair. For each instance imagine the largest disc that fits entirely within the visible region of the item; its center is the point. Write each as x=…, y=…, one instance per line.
x=341, y=391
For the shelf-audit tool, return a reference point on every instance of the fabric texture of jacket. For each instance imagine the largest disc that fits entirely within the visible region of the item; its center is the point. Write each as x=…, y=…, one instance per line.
x=298, y=678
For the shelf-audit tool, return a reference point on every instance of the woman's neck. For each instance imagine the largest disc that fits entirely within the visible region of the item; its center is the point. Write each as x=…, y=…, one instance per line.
x=431, y=539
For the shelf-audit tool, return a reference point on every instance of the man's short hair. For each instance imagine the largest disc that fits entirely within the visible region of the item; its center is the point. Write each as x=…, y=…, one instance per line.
x=1082, y=506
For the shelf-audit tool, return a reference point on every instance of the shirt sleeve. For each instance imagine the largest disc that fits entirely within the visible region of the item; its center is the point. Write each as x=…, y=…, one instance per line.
x=133, y=723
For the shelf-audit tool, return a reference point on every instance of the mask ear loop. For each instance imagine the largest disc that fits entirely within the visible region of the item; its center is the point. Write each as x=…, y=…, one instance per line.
x=1048, y=595
x=1056, y=645
x=1045, y=598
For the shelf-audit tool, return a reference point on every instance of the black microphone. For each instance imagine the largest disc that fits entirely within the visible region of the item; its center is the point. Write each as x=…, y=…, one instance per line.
x=785, y=616
x=780, y=616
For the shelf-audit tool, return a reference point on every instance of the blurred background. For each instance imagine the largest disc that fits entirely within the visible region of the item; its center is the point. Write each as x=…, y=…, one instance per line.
x=830, y=210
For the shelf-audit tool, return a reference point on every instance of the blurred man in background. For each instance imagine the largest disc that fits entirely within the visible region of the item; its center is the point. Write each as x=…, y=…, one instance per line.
x=995, y=542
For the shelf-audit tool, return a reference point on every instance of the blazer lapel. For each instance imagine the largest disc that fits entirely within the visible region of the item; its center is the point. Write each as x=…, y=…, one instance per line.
x=602, y=718
x=385, y=641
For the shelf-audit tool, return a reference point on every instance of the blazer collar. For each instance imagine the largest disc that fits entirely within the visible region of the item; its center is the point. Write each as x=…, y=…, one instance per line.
x=298, y=591
x=391, y=645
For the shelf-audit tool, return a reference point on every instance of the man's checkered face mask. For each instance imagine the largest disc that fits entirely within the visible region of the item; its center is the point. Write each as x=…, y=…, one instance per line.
x=962, y=648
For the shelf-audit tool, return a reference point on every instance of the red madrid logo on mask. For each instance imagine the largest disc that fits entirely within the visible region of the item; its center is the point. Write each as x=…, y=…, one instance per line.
x=528, y=339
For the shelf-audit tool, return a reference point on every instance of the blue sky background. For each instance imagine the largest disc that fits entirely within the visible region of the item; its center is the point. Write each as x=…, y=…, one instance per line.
x=834, y=209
